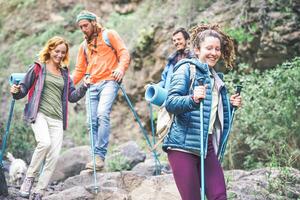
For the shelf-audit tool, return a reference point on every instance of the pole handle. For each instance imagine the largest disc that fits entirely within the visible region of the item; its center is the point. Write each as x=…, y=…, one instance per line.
x=201, y=81
x=238, y=89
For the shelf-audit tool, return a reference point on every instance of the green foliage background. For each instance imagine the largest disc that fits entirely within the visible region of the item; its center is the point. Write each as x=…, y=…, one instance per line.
x=266, y=131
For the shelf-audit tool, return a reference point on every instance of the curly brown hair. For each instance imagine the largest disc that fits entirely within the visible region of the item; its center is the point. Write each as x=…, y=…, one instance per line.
x=200, y=32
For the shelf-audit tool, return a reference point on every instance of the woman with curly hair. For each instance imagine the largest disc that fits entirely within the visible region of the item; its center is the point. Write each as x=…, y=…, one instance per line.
x=184, y=96
x=49, y=89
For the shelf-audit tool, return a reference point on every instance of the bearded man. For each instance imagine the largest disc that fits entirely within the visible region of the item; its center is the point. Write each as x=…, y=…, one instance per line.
x=104, y=57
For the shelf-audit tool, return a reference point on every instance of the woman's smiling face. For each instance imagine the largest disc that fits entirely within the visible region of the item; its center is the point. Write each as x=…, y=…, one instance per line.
x=210, y=51
x=58, y=54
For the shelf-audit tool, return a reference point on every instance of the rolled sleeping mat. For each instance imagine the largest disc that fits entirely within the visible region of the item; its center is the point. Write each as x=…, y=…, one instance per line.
x=15, y=78
x=156, y=94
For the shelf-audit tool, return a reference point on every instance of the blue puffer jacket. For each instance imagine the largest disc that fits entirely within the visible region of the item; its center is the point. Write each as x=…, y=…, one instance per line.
x=168, y=70
x=185, y=130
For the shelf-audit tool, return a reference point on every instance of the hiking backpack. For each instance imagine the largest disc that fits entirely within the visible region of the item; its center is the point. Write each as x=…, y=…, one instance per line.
x=167, y=118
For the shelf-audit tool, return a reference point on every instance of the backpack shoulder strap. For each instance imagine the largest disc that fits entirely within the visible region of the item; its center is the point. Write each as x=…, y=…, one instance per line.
x=192, y=76
x=106, y=41
x=105, y=37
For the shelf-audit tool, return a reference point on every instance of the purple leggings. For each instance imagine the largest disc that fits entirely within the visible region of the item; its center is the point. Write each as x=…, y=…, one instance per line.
x=186, y=172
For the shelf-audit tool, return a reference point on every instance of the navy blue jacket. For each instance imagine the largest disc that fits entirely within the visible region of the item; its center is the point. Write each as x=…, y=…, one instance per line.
x=168, y=70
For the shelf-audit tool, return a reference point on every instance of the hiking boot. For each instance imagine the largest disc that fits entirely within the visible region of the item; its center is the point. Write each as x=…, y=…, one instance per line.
x=99, y=163
x=36, y=196
x=26, y=187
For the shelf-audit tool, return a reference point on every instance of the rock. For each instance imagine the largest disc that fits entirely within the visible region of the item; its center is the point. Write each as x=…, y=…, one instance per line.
x=130, y=152
x=87, y=179
x=112, y=194
x=148, y=168
x=71, y=162
x=112, y=185
x=157, y=187
x=265, y=183
x=56, y=18
x=77, y=192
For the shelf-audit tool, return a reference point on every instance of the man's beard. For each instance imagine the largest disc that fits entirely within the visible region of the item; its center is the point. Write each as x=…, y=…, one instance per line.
x=92, y=36
x=181, y=51
x=89, y=38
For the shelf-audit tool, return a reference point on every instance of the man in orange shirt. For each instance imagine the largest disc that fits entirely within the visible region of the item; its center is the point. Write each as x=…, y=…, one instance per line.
x=105, y=58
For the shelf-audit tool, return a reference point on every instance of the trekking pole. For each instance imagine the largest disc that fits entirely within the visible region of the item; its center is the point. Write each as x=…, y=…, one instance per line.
x=238, y=91
x=3, y=184
x=153, y=136
x=201, y=83
x=141, y=126
x=4, y=190
x=92, y=136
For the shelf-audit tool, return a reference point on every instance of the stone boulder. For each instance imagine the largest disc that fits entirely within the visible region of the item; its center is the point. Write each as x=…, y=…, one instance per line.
x=156, y=187
x=149, y=167
x=129, y=154
x=265, y=183
x=71, y=162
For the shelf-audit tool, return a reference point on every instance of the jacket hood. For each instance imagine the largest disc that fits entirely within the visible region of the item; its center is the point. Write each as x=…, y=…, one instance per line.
x=203, y=67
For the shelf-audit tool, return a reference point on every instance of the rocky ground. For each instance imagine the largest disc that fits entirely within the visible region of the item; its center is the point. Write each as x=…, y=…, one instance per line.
x=139, y=182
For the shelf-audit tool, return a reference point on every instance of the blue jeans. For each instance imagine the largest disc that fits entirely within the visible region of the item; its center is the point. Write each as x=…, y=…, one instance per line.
x=102, y=96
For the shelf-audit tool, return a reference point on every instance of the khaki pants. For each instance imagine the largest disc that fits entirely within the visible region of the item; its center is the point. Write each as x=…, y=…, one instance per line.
x=48, y=134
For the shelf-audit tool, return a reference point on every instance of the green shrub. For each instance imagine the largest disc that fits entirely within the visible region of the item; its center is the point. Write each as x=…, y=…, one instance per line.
x=268, y=124
x=145, y=39
x=282, y=182
x=241, y=35
x=118, y=163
